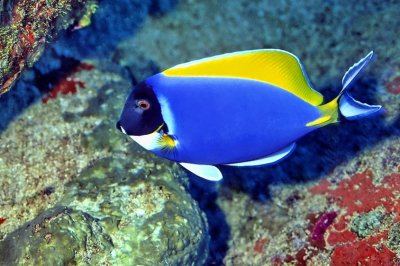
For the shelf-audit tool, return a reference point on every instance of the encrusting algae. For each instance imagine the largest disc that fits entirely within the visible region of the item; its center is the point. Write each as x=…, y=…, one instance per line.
x=27, y=25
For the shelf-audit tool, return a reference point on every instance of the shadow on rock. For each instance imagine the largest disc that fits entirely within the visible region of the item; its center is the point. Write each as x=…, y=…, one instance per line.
x=206, y=193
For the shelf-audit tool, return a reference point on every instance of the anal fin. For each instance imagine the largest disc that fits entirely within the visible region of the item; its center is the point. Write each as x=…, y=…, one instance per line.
x=270, y=159
x=208, y=172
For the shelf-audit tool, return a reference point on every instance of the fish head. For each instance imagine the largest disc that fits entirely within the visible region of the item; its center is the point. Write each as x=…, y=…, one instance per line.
x=141, y=114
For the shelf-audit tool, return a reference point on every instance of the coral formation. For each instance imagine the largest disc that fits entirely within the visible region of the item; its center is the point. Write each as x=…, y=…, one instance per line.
x=66, y=85
x=57, y=236
x=368, y=223
x=393, y=86
x=25, y=28
x=148, y=216
x=116, y=214
x=372, y=204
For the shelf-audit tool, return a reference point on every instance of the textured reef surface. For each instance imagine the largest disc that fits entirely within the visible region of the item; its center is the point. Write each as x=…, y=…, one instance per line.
x=71, y=186
x=26, y=26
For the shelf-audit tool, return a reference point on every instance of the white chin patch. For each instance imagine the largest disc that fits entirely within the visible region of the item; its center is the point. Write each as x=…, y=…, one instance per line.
x=149, y=142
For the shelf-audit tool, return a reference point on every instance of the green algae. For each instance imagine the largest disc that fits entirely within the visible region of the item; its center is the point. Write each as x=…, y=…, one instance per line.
x=149, y=220
x=394, y=238
x=116, y=214
x=366, y=224
x=59, y=236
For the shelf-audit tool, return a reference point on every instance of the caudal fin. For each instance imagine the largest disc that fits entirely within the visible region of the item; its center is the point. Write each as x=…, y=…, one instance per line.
x=344, y=104
x=350, y=108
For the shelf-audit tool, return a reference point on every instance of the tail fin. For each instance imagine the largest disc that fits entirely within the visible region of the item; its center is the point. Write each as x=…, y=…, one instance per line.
x=350, y=108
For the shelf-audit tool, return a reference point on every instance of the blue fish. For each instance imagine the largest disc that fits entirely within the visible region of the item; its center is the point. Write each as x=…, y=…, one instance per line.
x=245, y=108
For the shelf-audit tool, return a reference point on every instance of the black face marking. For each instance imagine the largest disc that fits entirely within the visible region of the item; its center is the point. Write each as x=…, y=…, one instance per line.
x=164, y=128
x=142, y=112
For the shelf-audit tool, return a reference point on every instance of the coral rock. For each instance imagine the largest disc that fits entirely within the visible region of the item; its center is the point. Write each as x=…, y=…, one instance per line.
x=24, y=29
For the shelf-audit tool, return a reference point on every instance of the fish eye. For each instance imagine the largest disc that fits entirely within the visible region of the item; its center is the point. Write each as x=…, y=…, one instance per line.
x=143, y=104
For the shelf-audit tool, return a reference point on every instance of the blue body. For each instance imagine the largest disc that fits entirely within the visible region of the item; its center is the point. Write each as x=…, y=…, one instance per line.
x=229, y=120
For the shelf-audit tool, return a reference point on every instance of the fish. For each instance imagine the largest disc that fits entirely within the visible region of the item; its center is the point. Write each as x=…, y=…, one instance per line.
x=241, y=109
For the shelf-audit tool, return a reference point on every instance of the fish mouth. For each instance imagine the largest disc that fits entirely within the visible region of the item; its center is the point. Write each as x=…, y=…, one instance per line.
x=120, y=128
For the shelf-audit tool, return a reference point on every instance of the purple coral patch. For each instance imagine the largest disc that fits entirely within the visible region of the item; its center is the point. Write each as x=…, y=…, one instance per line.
x=323, y=222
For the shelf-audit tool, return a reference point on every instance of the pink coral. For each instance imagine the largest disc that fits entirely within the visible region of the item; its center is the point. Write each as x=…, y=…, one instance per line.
x=393, y=86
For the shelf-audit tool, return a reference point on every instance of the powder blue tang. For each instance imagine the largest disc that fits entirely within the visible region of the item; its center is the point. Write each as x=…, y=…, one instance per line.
x=239, y=109
x=225, y=121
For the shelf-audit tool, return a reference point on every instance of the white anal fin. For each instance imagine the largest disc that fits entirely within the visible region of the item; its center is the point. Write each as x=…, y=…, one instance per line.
x=270, y=159
x=208, y=172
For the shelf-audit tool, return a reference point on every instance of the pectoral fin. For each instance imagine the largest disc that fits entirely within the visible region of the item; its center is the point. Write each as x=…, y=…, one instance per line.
x=270, y=159
x=208, y=172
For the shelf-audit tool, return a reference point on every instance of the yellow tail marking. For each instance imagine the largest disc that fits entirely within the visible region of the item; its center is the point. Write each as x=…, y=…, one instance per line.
x=276, y=67
x=319, y=121
x=329, y=114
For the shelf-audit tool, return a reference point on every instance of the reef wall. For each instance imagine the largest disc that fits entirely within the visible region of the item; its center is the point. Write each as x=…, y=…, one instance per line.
x=26, y=26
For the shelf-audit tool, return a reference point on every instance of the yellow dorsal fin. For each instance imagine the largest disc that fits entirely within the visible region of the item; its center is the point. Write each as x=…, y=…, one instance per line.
x=276, y=67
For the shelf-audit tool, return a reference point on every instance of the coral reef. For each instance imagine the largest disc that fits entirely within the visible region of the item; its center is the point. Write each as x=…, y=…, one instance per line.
x=338, y=192
x=148, y=216
x=115, y=215
x=376, y=206
x=57, y=236
x=26, y=26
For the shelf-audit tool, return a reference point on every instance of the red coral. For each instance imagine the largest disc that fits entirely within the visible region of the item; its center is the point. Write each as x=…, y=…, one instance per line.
x=393, y=86
x=84, y=66
x=359, y=194
x=28, y=35
x=259, y=245
x=68, y=85
x=363, y=252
